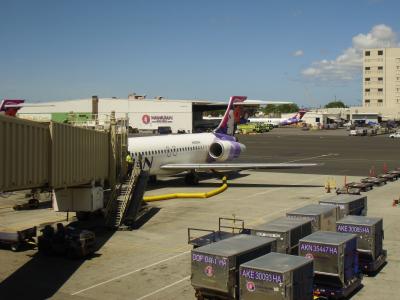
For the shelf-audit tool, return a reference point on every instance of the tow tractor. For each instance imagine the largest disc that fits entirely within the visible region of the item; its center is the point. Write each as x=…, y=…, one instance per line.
x=212, y=236
x=66, y=240
x=16, y=239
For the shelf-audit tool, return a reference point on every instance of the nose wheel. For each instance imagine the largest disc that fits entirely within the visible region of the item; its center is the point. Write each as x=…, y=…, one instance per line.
x=192, y=178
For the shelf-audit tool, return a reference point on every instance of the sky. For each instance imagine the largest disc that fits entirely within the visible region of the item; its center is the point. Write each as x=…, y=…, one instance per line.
x=308, y=52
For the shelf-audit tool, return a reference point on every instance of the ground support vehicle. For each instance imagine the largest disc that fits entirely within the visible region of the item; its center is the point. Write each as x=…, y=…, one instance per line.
x=215, y=267
x=286, y=231
x=377, y=181
x=348, y=190
x=369, y=240
x=395, y=172
x=329, y=291
x=336, y=267
x=363, y=186
x=255, y=127
x=277, y=276
x=66, y=240
x=355, y=188
x=31, y=204
x=224, y=231
x=323, y=217
x=16, y=239
x=389, y=177
x=347, y=204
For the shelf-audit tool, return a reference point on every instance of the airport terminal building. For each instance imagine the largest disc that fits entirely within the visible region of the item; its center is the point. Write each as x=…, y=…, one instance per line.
x=143, y=114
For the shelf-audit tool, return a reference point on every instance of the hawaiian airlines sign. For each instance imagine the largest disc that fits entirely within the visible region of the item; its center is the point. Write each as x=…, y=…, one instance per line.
x=159, y=119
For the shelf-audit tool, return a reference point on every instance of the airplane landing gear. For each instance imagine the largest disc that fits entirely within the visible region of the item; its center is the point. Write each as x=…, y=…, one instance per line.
x=192, y=178
x=153, y=179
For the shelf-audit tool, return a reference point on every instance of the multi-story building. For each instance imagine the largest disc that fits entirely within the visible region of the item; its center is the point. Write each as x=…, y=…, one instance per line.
x=381, y=79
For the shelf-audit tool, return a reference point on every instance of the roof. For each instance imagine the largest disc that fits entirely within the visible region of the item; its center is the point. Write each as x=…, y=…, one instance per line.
x=277, y=262
x=328, y=237
x=359, y=220
x=235, y=245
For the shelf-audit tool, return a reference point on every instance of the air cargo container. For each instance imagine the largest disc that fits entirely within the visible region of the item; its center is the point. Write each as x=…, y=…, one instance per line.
x=369, y=242
x=323, y=217
x=336, y=270
x=287, y=231
x=215, y=267
x=277, y=276
x=347, y=204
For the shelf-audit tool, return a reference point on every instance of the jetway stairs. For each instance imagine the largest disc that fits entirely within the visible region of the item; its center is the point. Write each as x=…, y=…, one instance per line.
x=125, y=207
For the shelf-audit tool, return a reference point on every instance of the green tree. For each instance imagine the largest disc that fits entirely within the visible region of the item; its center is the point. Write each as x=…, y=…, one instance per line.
x=334, y=104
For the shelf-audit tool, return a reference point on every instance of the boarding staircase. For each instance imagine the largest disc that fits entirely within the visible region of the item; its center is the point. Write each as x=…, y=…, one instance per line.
x=128, y=200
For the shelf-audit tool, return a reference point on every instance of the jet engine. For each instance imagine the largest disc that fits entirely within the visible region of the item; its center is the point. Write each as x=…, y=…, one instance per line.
x=226, y=150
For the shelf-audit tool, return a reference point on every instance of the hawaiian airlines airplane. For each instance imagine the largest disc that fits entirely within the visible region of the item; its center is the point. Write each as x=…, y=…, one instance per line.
x=280, y=121
x=172, y=154
x=10, y=107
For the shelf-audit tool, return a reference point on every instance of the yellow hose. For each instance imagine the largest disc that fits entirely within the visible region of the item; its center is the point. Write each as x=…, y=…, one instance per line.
x=209, y=194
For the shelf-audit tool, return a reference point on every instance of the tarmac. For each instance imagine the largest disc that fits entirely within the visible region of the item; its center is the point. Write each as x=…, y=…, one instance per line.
x=153, y=261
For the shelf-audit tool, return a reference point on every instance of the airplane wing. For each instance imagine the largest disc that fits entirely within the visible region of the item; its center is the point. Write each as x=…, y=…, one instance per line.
x=261, y=102
x=26, y=105
x=236, y=166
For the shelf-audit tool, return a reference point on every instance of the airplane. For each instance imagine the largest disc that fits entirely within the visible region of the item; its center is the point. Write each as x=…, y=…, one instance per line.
x=173, y=154
x=281, y=121
x=10, y=107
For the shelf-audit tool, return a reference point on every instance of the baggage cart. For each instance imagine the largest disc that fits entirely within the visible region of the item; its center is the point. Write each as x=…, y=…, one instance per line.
x=215, y=267
x=388, y=176
x=227, y=227
x=369, y=242
x=347, y=204
x=336, y=268
x=377, y=181
x=277, y=276
x=287, y=231
x=323, y=216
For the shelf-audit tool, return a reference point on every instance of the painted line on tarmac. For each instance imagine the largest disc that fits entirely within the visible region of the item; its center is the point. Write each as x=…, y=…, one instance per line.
x=308, y=158
x=130, y=273
x=164, y=288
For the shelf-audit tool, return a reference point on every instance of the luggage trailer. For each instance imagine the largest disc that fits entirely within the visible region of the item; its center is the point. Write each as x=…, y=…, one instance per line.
x=215, y=267
x=227, y=227
x=287, y=231
x=347, y=204
x=277, y=276
x=336, y=268
x=323, y=217
x=370, y=234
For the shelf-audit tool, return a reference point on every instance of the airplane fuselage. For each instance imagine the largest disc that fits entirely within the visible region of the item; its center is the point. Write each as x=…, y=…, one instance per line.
x=160, y=150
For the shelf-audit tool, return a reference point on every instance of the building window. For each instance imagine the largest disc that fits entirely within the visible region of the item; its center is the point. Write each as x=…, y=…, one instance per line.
x=367, y=53
x=398, y=100
x=367, y=90
x=367, y=79
x=367, y=100
x=380, y=101
x=380, y=52
x=380, y=68
x=380, y=78
x=380, y=90
x=367, y=68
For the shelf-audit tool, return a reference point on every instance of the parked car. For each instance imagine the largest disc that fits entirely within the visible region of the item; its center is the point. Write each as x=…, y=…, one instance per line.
x=395, y=135
x=353, y=132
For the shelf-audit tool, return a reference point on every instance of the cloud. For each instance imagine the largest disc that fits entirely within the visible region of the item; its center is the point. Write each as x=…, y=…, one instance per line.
x=298, y=53
x=347, y=66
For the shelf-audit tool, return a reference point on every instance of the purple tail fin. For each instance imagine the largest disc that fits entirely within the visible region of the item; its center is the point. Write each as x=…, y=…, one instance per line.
x=232, y=115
